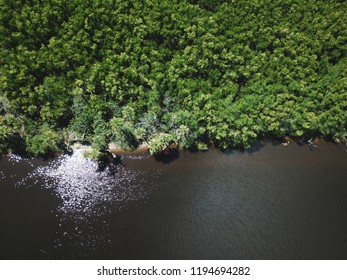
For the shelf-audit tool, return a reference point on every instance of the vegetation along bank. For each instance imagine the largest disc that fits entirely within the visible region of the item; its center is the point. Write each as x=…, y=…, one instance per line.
x=182, y=73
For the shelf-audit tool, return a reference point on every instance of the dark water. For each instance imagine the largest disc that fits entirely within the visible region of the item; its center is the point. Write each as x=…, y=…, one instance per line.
x=272, y=202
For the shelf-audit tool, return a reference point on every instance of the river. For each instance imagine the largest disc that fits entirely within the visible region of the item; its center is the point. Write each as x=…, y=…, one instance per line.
x=269, y=202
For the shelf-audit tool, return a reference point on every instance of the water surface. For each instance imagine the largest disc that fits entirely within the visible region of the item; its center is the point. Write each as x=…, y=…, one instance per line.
x=270, y=202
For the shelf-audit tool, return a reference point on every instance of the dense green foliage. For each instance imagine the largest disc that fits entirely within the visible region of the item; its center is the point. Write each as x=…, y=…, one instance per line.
x=184, y=73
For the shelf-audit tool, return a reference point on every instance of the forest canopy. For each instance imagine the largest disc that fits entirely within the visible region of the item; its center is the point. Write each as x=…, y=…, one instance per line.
x=183, y=73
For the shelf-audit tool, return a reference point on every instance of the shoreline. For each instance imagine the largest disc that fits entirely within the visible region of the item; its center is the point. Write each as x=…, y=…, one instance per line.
x=112, y=147
x=144, y=147
x=285, y=142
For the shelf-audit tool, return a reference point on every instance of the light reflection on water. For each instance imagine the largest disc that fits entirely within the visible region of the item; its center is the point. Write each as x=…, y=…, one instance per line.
x=83, y=188
x=87, y=194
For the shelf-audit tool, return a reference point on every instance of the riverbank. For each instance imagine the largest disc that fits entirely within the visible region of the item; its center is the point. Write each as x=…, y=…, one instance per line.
x=144, y=147
x=87, y=148
x=112, y=147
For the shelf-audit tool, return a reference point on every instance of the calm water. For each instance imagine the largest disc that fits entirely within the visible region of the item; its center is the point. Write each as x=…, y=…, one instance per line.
x=271, y=202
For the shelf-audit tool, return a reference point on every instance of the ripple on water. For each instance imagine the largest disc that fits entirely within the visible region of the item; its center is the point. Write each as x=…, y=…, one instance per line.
x=87, y=194
x=15, y=158
x=84, y=189
x=2, y=175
